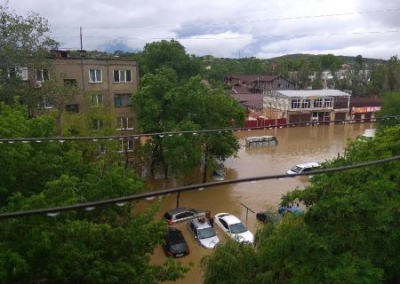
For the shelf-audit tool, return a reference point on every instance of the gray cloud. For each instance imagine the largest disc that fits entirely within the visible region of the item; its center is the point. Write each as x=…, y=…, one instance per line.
x=223, y=28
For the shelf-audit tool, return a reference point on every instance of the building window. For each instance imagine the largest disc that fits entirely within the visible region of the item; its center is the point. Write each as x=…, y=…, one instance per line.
x=70, y=82
x=328, y=103
x=95, y=76
x=341, y=102
x=42, y=75
x=45, y=104
x=100, y=150
x=72, y=107
x=98, y=124
x=124, y=123
x=125, y=146
x=295, y=103
x=317, y=103
x=122, y=76
x=97, y=99
x=306, y=103
x=122, y=100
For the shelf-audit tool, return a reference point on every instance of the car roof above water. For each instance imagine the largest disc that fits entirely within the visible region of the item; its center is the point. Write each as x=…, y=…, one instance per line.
x=230, y=219
x=200, y=225
x=308, y=165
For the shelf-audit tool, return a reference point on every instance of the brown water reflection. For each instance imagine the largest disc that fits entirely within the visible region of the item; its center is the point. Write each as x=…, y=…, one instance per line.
x=296, y=145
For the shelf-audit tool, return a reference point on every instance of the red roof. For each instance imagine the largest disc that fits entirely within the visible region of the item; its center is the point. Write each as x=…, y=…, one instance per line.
x=240, y=90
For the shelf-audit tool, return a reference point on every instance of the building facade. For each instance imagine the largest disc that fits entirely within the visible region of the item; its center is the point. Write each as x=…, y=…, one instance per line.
x=108, y=83
x=322, y=106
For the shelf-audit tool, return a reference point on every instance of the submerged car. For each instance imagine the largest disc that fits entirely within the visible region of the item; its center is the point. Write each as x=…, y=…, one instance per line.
x=290, y=209
x=268, y=217
x=205, y=234
x=219, y=172
x=181, y=214
x=303, y=168
x=233, y=227
x=175, y=243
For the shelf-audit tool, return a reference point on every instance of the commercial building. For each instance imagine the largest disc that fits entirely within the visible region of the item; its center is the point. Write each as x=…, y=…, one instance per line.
x=321, y=106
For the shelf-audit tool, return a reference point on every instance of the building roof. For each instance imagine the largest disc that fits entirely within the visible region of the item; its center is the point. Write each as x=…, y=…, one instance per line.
x=251, y=78
x=254, y=104
x=364, y=102
x=247, y=97
x=311, y=93
x=240, y=90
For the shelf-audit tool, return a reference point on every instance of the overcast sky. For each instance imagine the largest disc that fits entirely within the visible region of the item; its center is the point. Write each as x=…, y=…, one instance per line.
x=260, y=28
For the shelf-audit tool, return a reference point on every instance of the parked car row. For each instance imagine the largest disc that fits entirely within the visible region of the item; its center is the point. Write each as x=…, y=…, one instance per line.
x=201, y=230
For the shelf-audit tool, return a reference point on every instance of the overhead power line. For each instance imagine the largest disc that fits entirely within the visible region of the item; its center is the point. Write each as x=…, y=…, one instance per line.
x=186, y=132
x=376, y=32
x=230, y=23
x=89, y=206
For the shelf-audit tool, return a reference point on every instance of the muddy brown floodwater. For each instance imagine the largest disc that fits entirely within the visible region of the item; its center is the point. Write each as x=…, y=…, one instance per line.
x=296, y=145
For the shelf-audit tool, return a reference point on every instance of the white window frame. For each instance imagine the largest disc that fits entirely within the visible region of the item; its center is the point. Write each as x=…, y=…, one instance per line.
x=328, y=103
x=122, y=144
x=42, y=77
x=318, y=103
x=96, y=100
x=45, y=104
x=295, y=103
x=120, y=123
x=96, y=79
x=120, y=72
x=99, y=123
x=306, y=102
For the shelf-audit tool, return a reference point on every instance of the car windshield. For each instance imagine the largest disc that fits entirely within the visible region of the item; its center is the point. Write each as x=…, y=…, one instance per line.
x=238, y=228
x=206, y=233
x=296, y=169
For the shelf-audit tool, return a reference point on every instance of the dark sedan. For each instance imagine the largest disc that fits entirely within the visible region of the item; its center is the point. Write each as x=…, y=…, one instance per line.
x=175, y=243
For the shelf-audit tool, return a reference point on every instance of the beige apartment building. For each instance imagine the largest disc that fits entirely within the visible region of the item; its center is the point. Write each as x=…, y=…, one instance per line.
x=107, y=82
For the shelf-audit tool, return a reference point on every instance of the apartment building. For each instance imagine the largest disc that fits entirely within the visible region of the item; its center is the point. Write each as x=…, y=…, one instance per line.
x=322, y=106
x=106, y=82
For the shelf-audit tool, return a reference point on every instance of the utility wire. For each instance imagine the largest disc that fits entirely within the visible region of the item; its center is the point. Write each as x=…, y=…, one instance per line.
x=230, y=23
x=247, y=37
x=89, y=206
x=181, y=132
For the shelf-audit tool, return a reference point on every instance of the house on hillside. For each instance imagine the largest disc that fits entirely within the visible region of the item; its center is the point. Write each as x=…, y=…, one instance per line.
x=296, y=106
x=259, y=83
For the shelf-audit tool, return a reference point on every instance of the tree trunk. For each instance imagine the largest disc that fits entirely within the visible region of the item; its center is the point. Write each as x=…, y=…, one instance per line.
x=205, y=169
x=153, y=161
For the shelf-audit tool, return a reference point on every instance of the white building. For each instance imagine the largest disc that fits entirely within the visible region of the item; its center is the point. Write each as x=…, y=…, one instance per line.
x=321, y=106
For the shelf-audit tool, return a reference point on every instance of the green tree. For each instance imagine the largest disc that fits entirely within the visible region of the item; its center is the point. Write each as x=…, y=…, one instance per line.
x=349, y=233
x=163, y=106
x=393, y=73
x=107, y=245
x=24, y=43
x=169, y=54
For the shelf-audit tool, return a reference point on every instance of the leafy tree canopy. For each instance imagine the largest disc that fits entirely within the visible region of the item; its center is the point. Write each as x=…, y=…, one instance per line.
x=349, y=234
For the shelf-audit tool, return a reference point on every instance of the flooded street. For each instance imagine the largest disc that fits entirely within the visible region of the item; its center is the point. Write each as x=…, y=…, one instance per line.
x=296, y=145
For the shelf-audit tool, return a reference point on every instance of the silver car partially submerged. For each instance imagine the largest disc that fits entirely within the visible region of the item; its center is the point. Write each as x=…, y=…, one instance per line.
x=203, y=232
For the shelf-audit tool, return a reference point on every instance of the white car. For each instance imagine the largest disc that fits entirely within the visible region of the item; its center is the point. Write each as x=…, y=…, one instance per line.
x=233, y=227
x=203, y=232
x=303, y=168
